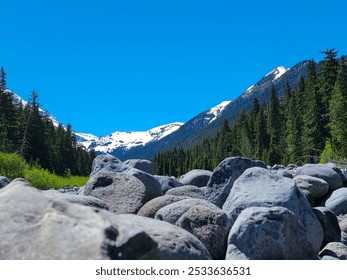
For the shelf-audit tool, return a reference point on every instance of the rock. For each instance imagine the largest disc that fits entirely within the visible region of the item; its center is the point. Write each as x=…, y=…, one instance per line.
x=196, y=177
x=153, y=187
x=79, y=199
x=173, y=242
x=41, y=228
x=4, y=181
x=188, y=191
x=330, y=225
x=141, y=164
x=337, y=202
x=268, y=233
x=211, y=227
x=343, y=224
x=335, y=249
x=172, y=212
x=167, y=183
x=21, y=182
x=322, y=171
x=107, y=162
x=224, y=176
x=260, y=187
x=285, y=173
x=344, y=238
x=315, y=186
x=123, y=193
x=152, y=207
x=277, y=167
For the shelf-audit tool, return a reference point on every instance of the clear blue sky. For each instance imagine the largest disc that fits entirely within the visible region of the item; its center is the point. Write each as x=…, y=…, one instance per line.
x=130, y=65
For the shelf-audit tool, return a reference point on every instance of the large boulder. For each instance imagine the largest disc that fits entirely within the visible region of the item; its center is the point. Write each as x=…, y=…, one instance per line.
x=107, y=162
x=152, y=206
x=79, y=199
x=268, y=233
x=322, y=171
x=337, y=202
x=210, y=226
x=330, y=225
x=173, y=242
x=35, y=226
x=262, y=188
x=196, y=177
x=4, y=181
x=172, y=212
x=224, y=176
x=123, y=193
x=141, y=164
x=188, y=191
x=168, y=183
x=316, y=187
x=335, y=249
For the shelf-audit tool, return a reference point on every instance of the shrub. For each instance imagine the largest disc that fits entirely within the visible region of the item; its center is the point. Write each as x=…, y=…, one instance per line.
x=12, y=166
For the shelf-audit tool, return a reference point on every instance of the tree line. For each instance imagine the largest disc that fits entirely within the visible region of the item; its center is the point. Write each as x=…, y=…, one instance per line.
x=307, y=125
x=30, y=132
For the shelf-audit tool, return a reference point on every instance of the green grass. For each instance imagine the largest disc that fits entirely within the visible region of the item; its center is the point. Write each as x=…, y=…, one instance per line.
x=13, y=166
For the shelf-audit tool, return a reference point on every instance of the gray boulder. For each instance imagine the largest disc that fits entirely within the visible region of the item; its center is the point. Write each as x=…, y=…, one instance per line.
x=260, y=187
x=196, y=177
x=168, y=183
x=173, y=242
x=330, y=225
x=107, y=162
x=79, y=199
x=211, y=227
x=322, y=171
x=337, y=202
x=343, y=223
x=224, y=176
x=41, y=228
x=344, y=238
x=141, y=164
x=152, y=206
x=316, y=187
x=285, y=173
x=188, y=191
x=123, y=193
x=4, y=181
x=172, y=212
x=335, y=249
x=268, y=233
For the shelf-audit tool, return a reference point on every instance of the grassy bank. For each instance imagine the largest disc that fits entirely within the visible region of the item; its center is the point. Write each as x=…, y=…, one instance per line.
x=13, y=166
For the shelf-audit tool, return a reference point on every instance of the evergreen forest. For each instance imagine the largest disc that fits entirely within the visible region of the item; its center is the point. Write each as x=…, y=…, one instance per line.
x=307, y=125
x=29, y=132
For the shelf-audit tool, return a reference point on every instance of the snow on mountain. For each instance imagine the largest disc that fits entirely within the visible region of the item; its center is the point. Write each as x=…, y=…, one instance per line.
x=277, y=72
x=213, y=113
x=126, y=140
x=19, y=99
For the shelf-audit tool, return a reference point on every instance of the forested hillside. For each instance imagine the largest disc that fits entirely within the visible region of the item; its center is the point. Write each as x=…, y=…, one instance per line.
x=307, y=125
x=27, y=131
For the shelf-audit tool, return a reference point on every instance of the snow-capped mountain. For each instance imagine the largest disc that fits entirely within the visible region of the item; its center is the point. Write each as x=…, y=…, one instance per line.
x=213, y=113
x=121, y=142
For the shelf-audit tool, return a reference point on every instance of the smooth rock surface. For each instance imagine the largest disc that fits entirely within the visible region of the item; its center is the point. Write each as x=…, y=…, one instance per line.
x=173, y=242
x=196, y=177
x=188, y=191
x=316, y=187
x=337, y=202
x=268, y=233
x=107, y=163
x=167, y=183
x=141, y=164
x=262, y=188
x=224, y=176
x=322, y=171
x=335, y=249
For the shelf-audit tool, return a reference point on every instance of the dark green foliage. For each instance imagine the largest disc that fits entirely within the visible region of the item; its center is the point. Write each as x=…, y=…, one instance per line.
x=307, y=125
x=338, y=111
x=28, y=131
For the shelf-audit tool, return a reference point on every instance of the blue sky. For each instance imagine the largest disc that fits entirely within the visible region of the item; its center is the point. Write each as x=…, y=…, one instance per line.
x=112, y=65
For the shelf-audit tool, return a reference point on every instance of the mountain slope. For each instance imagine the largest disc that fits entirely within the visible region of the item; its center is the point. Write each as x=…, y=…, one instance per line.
x=201, y=126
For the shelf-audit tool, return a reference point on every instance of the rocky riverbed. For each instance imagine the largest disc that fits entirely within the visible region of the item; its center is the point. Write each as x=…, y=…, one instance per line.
x=241, y=210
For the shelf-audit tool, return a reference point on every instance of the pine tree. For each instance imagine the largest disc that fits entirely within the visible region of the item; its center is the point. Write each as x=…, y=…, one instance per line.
x=313, y=128
x=338, y=111
x=274, y=129
x=261, y=136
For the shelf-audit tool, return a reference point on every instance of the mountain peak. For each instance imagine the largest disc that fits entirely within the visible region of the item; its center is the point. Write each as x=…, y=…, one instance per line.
x=277, y=72
x=215, y=111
